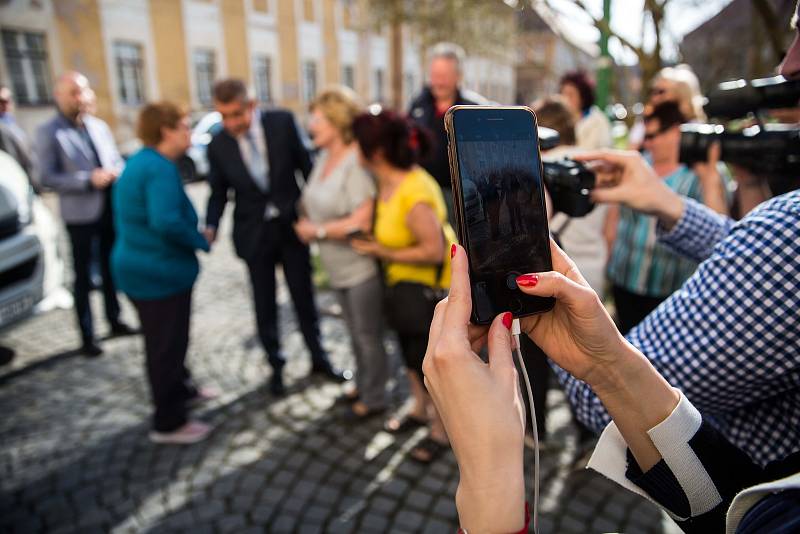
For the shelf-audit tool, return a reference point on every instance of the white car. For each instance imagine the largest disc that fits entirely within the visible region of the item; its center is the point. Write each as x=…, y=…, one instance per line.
x=202, y=133
x=21, y=254
x=31, y=268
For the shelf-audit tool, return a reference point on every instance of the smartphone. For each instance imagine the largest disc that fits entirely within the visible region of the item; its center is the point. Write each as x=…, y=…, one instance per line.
x=496, y=173
x=357, y=233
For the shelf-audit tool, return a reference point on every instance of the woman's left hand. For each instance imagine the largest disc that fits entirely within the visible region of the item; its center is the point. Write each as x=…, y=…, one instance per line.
x=306, y=230
x=481, y=406
x=367, y=247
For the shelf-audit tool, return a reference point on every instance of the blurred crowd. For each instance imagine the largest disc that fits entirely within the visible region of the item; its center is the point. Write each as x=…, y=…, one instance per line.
x=710, y=303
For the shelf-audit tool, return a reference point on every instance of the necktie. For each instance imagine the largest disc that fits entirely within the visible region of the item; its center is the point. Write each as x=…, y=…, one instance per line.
x=256, y=164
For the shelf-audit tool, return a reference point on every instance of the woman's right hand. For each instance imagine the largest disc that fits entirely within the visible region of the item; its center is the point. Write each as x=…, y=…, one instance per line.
x=578, y=334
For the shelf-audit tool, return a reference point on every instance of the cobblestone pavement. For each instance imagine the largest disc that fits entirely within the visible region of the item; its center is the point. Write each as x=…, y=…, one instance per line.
x=74, y=454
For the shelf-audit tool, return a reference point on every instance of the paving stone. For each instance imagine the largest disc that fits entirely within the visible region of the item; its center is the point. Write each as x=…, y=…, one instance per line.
x=418, y=500
x=283, y=523
x=408, y=519
x=434, y=526
x=231, y=523
x=374, y=523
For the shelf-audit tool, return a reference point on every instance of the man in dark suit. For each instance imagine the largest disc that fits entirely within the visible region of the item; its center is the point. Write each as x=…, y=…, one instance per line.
x=80, y=161
x=256, y=154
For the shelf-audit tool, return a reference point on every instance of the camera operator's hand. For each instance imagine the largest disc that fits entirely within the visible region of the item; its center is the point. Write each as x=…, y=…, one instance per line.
x=711, y=184
x=625, y=177
x=481, y=407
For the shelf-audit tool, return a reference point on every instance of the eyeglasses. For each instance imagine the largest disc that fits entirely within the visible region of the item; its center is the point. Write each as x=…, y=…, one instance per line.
x=649, y=136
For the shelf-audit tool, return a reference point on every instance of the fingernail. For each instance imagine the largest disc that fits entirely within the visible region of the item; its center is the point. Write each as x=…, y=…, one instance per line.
x=528, y=280
x=507, y=318
x=453, y=250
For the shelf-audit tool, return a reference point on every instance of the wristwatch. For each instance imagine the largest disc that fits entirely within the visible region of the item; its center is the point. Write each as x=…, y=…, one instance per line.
x=321, y=233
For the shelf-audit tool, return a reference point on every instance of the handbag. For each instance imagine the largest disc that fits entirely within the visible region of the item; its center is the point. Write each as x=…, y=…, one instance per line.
x=409, y=306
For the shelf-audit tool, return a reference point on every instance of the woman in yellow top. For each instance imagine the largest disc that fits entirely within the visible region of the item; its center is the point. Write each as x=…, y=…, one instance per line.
x=411, y=240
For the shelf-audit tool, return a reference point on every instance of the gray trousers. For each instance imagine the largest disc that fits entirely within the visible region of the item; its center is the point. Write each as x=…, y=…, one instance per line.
x=362, y=306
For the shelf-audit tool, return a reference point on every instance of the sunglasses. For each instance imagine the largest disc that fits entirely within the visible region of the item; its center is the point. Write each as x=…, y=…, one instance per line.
x=649, y=136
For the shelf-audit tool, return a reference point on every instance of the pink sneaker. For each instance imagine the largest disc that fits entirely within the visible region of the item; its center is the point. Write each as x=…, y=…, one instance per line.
x=191, y=432
x=204, y=394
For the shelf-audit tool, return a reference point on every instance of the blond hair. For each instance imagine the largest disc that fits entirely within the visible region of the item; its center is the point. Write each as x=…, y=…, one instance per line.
x=340, y=106
x=687, y=87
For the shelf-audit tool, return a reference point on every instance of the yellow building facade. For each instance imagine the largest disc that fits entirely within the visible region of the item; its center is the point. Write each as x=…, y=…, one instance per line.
x=134, y=51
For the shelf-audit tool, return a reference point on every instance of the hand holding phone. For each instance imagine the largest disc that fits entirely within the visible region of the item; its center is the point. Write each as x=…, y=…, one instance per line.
x=496, y=173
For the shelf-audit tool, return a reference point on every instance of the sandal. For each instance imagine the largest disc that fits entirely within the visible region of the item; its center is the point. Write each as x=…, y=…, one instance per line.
x=347, y=398
x=400, y=425
x=431, y=450
x=349, y=415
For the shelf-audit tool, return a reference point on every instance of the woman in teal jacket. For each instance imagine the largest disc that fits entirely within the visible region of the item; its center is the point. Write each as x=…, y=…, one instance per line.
x=154, y=263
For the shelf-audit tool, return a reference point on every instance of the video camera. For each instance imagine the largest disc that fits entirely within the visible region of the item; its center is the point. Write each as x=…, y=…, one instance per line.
x=568, y=182
x=771, y=150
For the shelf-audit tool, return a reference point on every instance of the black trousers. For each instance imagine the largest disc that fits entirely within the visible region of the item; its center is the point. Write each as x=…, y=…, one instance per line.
x=632, y=308
x=83, y=238
x=280, y=245
x=165, y=325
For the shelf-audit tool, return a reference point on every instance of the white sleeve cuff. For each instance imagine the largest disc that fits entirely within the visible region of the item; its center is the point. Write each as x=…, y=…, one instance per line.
x=671, y=438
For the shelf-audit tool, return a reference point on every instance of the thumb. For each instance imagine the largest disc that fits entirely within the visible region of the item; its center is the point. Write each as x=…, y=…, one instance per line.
x=500, y=343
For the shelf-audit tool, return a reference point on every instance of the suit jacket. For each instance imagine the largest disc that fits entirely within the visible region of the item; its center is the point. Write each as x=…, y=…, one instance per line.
x=67, y=165
x=287, y=153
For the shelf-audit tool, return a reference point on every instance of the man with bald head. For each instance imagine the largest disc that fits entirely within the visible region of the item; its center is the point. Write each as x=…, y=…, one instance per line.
x=80, y=161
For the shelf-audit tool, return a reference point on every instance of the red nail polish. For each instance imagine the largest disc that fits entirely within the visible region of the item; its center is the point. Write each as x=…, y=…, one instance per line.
x=453, y=250
x=528, y=280
x=507, y=318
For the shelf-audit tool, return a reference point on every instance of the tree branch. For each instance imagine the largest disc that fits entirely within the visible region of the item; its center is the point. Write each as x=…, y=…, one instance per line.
x=602, y=25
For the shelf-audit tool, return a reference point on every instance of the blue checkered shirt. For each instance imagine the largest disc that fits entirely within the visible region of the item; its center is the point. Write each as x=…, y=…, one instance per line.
x=730, y=337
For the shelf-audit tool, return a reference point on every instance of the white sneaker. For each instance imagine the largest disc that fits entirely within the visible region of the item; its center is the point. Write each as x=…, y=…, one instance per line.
x=191, y=432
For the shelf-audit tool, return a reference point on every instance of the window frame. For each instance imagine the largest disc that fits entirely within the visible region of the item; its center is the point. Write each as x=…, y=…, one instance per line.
x=32, y=62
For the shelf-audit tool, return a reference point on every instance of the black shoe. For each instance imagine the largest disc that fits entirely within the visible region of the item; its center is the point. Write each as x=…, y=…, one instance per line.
x=121, y=329
x=331, y=373
x=6, y=355
x=276, y=386
x=90, y=349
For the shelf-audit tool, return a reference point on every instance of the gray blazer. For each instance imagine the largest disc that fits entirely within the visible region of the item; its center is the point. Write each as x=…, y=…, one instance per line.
x=67, y=164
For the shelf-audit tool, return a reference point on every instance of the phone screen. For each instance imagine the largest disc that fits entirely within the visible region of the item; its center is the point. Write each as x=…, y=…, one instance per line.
x=503, y=212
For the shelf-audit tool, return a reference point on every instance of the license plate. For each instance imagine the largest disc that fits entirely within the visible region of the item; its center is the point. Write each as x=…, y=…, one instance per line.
x=16, y=309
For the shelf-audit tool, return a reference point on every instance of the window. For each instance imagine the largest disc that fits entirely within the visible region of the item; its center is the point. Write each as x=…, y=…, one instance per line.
x=128, y=59
x=205, y=71
x=349, y=76
x=26, y=57
x=309, y=80
x=378, y=88
x=308, y=10
x=262, y=74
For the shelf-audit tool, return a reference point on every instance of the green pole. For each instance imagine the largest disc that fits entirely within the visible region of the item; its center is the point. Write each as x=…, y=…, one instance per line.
x=604, y=62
